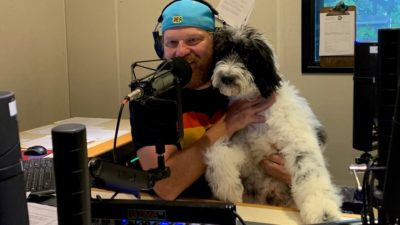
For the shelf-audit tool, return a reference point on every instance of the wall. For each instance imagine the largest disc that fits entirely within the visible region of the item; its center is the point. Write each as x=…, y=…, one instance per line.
x=33, y=59
x=93, y=60
x=103, y=38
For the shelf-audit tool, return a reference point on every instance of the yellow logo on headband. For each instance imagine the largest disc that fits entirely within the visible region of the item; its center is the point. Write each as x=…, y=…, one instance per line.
x=177, y=19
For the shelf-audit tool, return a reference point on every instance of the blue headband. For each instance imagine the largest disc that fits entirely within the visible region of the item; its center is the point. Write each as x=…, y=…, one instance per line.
x=188, y=13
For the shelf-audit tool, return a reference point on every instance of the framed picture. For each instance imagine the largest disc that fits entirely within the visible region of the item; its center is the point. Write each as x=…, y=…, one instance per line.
x=371, y=15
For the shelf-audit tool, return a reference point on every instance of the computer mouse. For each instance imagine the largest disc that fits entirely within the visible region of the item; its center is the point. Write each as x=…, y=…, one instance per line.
x=35, y=150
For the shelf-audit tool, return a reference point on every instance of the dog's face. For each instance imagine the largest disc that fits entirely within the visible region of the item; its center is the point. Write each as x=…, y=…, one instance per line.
x=245, y=65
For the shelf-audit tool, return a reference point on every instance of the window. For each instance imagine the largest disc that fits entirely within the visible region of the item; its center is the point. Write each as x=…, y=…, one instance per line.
x=371, y=15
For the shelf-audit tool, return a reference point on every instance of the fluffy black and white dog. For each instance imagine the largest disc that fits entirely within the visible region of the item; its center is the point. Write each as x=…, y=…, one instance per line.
x=245, y=68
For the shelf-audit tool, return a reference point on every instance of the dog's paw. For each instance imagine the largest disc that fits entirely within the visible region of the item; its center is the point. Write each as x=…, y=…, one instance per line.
x=224, y=187
x=223, y=171
x=319, y=211
x=229, y=192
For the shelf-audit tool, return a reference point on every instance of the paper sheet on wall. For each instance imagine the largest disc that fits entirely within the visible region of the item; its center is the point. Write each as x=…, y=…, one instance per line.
x=235, y=12
x=337, y=34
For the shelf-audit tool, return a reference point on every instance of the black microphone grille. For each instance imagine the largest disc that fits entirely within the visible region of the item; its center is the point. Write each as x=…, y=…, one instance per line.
x=181, y=68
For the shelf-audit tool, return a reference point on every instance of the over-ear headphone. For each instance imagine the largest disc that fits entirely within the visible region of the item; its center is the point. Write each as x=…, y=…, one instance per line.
x=158, y=45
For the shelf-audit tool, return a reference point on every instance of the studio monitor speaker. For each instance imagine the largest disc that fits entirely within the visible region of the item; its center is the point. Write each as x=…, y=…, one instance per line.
x=71, y=173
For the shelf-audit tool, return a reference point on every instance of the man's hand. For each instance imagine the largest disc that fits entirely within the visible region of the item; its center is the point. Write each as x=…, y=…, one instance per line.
x=274, y=166
x=245, y=112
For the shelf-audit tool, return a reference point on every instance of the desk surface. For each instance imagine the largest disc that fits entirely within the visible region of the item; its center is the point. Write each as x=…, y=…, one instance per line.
x=258, y=213
x=100, y=134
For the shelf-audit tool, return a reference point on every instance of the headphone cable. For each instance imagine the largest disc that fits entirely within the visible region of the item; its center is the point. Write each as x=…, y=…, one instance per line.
x=114, y=152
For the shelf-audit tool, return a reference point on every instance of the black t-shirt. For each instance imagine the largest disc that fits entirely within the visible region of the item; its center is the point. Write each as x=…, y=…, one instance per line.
x=156, y=121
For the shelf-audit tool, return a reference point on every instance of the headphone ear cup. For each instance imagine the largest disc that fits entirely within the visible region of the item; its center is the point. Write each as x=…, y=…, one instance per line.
x=158, y=46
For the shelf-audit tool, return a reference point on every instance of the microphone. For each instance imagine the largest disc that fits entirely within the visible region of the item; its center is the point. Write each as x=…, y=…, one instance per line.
x=168, y=74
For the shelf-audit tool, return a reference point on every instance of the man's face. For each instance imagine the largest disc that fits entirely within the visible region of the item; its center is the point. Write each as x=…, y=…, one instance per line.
x=195, y=46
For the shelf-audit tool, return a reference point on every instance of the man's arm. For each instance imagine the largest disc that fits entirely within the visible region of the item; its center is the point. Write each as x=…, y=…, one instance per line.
x=187, y=165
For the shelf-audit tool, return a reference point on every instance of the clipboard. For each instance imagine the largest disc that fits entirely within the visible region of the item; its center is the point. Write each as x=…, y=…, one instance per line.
x=341, y=52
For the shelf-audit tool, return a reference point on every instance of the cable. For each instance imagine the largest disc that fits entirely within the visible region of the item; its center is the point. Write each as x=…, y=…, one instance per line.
x=114, y=152
x=365, y=188
x=371, y=197
x=114, y=195
x=239, y=218
x=367, y=196
x=367, y=213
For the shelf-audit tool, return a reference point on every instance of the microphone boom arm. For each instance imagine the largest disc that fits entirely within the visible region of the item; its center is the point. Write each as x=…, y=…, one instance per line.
x=107, y=175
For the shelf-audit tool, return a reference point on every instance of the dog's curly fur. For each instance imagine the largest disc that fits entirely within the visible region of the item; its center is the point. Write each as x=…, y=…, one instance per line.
x=245, y=68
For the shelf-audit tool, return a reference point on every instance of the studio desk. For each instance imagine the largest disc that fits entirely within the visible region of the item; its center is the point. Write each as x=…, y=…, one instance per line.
x=100, y=133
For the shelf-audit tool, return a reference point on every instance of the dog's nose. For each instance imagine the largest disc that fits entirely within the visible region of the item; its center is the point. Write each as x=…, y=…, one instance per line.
x=227, y=80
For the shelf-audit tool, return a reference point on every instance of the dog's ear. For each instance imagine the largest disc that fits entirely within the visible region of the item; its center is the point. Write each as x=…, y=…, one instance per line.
x=259, y=58
x=268, y=79
x=223, y=42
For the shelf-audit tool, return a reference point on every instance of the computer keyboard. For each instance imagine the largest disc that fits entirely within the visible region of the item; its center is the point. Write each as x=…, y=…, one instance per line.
x=39, y=175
